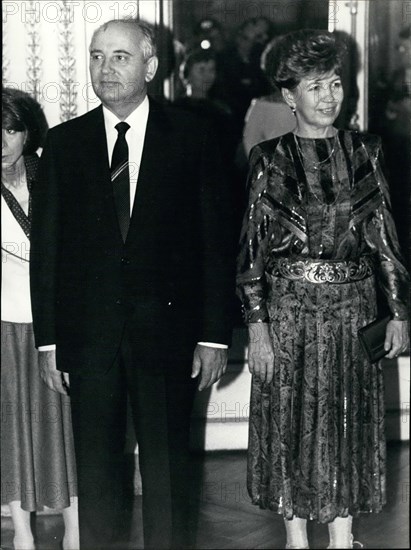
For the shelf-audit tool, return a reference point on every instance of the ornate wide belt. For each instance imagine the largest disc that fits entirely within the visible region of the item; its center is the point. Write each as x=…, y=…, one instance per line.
x=323, y=271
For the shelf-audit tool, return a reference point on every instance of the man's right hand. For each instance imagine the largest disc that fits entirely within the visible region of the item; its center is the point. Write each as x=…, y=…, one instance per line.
x=260, y=352
x=53, y=378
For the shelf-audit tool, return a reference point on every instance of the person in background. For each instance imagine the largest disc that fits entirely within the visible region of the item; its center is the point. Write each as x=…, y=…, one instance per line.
x=37, y=454
x=240, y=76
x=208, y=35
x=317, y=236
x=395, y=127
x=269, y=116
x=199, y=73
x=132, y=290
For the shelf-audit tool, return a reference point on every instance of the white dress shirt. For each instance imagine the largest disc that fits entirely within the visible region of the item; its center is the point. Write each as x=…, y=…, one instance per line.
x=135, y=140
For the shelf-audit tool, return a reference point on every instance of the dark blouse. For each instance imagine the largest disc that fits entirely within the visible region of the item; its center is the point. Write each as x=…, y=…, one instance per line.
x=318, y=198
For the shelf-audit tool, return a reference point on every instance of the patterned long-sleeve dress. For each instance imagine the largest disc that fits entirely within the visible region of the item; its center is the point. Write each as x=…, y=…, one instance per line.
x=317, y=237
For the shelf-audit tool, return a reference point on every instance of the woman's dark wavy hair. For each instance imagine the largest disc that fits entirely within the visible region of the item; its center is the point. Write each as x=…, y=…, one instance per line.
x=21, y=112
x=299, y=54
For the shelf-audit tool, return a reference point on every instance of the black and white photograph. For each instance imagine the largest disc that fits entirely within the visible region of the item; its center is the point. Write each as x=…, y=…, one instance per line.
x=205, y=281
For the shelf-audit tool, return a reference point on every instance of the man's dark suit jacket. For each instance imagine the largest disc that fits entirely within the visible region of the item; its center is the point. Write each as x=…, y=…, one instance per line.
x=171, y=283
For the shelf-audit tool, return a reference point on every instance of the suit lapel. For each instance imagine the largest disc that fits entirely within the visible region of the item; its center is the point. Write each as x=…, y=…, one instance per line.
x=153, y=166
x=93, y=150
x=93, y=156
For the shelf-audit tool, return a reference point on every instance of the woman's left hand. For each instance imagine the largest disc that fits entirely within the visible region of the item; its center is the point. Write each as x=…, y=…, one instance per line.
x=396, y=338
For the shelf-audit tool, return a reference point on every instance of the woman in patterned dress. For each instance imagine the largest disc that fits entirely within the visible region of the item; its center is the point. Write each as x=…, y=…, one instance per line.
x=317, y=237
x=37, y=449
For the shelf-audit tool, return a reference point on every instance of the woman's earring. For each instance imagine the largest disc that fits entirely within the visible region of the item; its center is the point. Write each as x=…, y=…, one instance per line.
x=293, y=110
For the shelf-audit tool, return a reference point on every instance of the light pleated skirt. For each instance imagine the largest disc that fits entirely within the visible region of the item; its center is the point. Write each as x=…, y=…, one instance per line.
x=37, y=449
x=316, y=439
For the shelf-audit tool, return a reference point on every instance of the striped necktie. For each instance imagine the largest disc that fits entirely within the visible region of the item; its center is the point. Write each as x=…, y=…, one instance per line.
x=120, y=179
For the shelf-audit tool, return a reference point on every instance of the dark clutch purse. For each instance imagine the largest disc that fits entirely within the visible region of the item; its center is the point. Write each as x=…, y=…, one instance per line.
x=372, y=338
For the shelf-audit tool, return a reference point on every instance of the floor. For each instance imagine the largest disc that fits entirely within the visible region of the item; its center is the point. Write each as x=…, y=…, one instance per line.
x=228, y=520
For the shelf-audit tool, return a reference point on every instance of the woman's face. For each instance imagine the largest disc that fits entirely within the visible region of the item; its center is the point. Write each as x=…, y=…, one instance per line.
x=317, y=102
x=12, y=146
x=202, y=75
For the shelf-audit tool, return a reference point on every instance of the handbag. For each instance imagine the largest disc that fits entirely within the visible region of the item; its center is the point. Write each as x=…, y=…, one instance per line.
x=372, y=339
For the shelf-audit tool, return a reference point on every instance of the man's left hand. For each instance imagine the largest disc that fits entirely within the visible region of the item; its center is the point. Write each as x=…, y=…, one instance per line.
x=210, y=363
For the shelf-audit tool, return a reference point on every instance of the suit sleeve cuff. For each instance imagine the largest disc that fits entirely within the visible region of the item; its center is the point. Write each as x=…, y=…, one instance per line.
x=213, y=345
x=51, y=347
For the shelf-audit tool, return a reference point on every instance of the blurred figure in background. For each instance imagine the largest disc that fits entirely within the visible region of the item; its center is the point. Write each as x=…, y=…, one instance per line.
x=396, y=134
x=37, y=452
x=399, y=88
x=242, y=78
x=269, y=116
x=199, y=73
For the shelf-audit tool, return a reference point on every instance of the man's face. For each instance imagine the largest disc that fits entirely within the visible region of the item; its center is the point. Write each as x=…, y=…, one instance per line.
x=119, y=72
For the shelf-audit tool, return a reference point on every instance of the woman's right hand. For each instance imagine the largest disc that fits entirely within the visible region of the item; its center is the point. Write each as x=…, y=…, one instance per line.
x=260, y=352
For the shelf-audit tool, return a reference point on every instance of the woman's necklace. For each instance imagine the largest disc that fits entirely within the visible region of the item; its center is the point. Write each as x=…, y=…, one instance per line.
x=315, y=165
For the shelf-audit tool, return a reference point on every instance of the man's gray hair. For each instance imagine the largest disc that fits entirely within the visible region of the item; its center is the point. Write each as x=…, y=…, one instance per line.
x=148, y=41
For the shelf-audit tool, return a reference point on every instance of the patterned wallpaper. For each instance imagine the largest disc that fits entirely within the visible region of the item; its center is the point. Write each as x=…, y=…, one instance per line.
x=45, y=48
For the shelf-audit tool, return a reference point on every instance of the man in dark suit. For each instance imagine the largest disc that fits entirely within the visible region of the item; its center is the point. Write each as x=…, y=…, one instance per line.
x=131, y=276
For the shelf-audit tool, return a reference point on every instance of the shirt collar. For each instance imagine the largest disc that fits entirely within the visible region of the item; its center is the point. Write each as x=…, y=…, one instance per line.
x=135, y=119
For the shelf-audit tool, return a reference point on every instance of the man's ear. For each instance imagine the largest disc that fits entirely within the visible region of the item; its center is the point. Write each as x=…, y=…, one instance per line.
x=289, y=98
x=151, y=69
